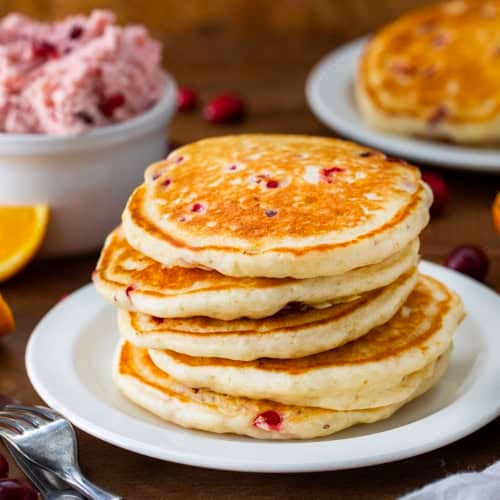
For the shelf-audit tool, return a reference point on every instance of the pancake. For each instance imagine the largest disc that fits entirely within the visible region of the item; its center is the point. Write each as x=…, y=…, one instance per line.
x=435, y=72
x=135, y=282
x=418, y=334
x=292, y=333
x=153, y=389
x=276, y=206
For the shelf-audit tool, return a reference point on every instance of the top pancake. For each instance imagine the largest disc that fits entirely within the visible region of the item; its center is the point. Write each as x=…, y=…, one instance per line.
x=276, y=206
x=436, y=72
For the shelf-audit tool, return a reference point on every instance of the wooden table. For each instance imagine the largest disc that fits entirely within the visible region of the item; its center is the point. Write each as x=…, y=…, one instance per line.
x=271, y=75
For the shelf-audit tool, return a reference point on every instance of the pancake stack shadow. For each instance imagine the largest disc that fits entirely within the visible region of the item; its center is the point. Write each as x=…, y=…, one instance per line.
x=267, y=286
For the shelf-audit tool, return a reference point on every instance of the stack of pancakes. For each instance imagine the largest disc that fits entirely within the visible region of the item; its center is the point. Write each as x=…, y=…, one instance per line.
x=267, y=286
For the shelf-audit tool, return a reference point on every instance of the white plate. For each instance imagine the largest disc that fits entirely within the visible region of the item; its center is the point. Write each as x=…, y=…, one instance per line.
x=330, y=93
x=69, y=363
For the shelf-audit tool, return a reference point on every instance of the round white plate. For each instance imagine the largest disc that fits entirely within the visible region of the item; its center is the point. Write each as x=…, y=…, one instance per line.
x=330, y=93
x=69, y=363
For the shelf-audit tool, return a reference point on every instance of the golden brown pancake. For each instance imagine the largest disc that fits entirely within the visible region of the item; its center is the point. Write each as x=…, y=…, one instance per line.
x=294, y=332
x=421, y=331
x=276, y=206
x=135, y=282
x=436, y=72
x=153, y=389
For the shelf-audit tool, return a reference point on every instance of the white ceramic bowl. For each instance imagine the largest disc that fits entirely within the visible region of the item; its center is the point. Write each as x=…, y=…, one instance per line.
x=85, y=179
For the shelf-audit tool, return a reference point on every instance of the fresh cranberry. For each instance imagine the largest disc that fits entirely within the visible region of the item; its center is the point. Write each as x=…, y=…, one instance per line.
x=75, y=32
x=439, y=191
x=109, y=104
x=15, y=489
x=272, y=184
x=470, y=260
x=226, y=108
x=4, y=467
x=44, y=50
x=269, y=420
x=187, y=99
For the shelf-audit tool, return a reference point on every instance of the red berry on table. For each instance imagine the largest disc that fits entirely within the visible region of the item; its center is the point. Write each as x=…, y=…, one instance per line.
x=439, y=190
x=470, y=260
x=4, y=467
x=108, y=105
x=15, y=489
x=226, y=108
x=187, y=99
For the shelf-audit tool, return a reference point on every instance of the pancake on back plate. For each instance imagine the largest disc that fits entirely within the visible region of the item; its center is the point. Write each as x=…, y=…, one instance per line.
x=435, y=72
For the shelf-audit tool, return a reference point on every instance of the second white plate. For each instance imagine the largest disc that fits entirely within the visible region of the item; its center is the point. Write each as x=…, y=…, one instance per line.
x=329, y=91
x=69, y=360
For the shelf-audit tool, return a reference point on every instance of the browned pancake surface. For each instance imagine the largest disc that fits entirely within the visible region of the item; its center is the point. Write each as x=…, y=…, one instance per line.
x=437, y=63
x=418, y=320
x=260, y=192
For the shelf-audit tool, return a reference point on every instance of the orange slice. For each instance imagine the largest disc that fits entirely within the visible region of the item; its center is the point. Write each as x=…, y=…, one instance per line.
x=7, y=323
x=495, y=210
x=22, y=230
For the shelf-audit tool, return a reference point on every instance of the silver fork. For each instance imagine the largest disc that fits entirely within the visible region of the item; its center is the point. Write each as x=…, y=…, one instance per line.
x=49, y=486
x=45, y=438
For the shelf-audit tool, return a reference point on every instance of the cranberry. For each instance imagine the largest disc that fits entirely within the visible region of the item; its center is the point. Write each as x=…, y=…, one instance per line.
x=332, y=170
x=439, y=191
x=76, y=32
x=15, y=489
x=270, y=212
x=109, y=104
x=166, y=183
x=437, y=116
x=272, y=184
x=226, y=108
x=197, y=208
x=470, y=260
x=4, y=467
x=44, y=50
x=187, y=99
x=129, y=290
x=269, y=420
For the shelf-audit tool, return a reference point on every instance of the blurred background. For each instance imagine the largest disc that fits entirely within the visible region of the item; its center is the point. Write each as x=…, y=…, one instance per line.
x=171, y=20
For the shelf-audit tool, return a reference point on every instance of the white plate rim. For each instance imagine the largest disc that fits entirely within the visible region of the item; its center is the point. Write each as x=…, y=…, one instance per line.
x=117, y=428
x=345, y=57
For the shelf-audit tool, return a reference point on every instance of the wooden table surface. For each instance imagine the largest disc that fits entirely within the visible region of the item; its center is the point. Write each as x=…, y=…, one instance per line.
x=271, y=75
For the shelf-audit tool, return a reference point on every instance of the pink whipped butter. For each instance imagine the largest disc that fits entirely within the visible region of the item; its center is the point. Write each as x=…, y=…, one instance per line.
x=70, y=76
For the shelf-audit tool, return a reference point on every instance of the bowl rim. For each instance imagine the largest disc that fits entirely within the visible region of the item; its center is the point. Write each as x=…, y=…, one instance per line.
x=155, y=117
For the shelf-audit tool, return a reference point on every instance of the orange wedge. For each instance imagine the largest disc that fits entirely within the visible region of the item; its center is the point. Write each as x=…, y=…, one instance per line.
x=7, y=323
x=495, y=210
x=22, y=230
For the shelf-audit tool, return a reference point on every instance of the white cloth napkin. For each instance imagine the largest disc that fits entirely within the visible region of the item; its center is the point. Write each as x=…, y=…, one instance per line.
x=483, y=485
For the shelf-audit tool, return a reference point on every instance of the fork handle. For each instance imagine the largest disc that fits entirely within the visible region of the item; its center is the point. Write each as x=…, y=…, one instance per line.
x=81, y=484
